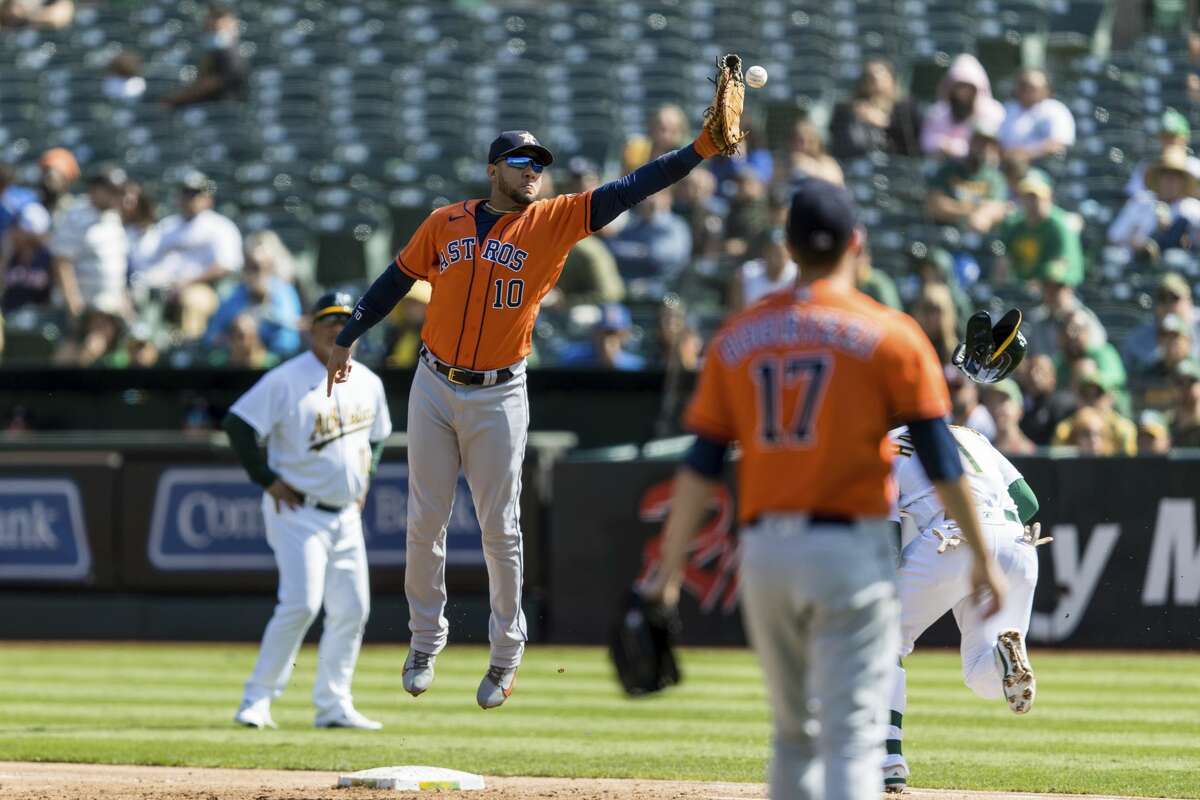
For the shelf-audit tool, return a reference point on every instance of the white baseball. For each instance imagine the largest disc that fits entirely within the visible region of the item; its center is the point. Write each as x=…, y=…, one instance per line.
x=756, y=77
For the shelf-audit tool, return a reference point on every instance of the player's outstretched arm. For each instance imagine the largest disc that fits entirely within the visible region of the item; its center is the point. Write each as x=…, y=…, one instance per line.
x=387, y=290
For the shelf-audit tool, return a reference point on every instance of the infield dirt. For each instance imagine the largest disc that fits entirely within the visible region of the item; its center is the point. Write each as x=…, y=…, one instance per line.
x=40, y=781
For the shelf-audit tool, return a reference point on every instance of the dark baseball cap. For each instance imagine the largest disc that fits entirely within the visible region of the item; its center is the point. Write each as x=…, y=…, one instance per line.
x=193, y=180
x=332, y=303
x=821, y=220
x=108, y=175
x=519, y=143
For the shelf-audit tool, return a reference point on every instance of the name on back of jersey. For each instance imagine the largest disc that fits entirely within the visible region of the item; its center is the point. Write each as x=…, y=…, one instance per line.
x=506, y=254
x=800, y=327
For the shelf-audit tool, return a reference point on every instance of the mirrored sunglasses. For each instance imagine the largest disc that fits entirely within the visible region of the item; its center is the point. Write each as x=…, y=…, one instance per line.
x=521, y=162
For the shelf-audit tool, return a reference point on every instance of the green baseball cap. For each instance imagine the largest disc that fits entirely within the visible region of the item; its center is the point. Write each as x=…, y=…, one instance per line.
x=1059, y=271
x=1009, y=388
x=1174, y=283
x=1175, y=124
x=1036, y=182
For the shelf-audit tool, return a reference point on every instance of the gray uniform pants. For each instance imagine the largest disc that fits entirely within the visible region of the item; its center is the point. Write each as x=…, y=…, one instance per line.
x=820, y=609
x=483, y=431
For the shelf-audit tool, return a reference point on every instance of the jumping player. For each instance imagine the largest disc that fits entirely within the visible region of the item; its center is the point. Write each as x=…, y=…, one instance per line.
x=490, y=263
x=808, y=381
x=934, y=578
x=321, y=453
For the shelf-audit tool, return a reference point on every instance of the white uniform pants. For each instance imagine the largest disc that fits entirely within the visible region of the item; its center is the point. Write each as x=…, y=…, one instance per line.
x=820, y=609
x=483, y=431
x=322, y=561
x=931, y=583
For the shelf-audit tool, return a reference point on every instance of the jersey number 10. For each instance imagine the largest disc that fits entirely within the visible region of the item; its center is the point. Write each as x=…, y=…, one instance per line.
x=508, y=293
x=772, y=375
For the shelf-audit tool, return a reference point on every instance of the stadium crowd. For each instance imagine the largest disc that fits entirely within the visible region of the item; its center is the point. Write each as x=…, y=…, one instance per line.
x=133, y=280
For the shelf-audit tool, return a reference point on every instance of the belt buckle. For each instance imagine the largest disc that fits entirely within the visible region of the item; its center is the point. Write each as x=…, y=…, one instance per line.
x=452, y=376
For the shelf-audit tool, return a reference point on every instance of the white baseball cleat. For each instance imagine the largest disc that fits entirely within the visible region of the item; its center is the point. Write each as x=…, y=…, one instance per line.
x=256, y=714
x=1019, y=685
x=496, y=686
x=895, y=778
x=347, y=718
x=418, y=671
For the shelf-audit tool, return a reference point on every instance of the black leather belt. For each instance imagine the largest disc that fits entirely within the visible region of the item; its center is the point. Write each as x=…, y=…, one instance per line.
x=320, y=506
x=818, y=519
x=464, y=377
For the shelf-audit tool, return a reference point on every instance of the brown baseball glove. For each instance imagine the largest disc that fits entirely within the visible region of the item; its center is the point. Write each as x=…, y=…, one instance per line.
x=723, y=119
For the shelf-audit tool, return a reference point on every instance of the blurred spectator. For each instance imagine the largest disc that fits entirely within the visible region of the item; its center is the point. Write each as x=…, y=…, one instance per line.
x=876, y=119
x=222, y=71
x=876, y=283
x=1047, y=403
x=243, y=348
x=263, y=296
x=404, y=331
x=678, y=343
x=91, y=253
x=193, y=249
x=1167, y=215
x=806, y=157
x=1042, y=322
x=1005, y=403
x=59, y=170
x=1014, y=171
x=757, y=278
x=606, y=349
x=12, y=198
x=51, y=14
x=1173, y=295
x=1086, y=432
x=969, y=192
x=964, y=98
x=1035, y=124
x=590, y=274
x=749, y=213
x=92, y=340
x=965, y=408
x=135, y=349
x=751, y=155
x=1175, y=346
x=935, y=266
x=139, y=215
x=1078, y=342
x=123, y=77
x=1185, y=416
x=1095, y=394
x=26, y=265
x=697, y=202
x=1153, y=434
x=934, y=312
x=654, y=246
x=779, y=203
x=1174, y=134
x=666, y=130
x=1040, y=240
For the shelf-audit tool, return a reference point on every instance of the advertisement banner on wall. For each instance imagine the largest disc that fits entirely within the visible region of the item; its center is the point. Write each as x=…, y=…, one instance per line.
x=1123, y=569
x=210, y=519
x=43, y=536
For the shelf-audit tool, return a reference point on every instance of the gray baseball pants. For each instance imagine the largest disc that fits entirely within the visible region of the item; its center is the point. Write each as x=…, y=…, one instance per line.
x=481, y=430
x=819, y=603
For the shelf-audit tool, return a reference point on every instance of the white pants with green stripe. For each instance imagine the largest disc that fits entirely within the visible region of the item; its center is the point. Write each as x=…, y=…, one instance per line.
x=931, y=583
x=819, y=604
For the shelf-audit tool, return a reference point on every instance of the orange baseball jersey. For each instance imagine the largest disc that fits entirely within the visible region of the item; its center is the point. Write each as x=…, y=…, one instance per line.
x=808, y=382
x=486, y=294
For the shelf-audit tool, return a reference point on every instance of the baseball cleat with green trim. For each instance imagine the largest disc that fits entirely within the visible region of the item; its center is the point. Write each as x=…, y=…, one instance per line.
x=1018, y=682
x=895, y=778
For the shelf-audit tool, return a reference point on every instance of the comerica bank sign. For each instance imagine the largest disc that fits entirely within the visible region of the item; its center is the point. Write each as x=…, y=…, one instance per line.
x=42, y=533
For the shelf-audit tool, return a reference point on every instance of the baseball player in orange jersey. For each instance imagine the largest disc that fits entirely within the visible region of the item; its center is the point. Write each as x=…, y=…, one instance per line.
x=808, y=381
x=490, y=263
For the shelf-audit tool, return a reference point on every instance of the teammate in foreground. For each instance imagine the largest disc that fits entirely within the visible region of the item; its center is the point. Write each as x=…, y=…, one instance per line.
x=934, y=578
x=490, y=263
x=320, y=456
x=808, y=381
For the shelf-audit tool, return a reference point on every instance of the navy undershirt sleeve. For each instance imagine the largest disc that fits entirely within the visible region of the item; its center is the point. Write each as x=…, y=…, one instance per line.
x=936, y=448
x=707, y=456
x=614, y=197
x=387, y=290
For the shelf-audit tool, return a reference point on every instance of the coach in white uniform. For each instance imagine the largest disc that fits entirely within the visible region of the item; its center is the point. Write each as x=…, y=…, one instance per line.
x=933, y=577
x=320, y=454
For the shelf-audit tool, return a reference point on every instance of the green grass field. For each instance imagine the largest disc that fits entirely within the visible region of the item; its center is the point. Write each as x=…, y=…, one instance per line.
x=1103, y=724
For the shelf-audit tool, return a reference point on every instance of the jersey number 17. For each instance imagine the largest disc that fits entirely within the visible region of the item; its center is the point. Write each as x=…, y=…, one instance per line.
x=808, y=374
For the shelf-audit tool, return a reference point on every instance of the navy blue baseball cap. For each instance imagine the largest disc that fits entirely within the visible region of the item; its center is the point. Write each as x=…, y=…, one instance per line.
x=332, y=303
x=519, y=143
x=821, y=220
